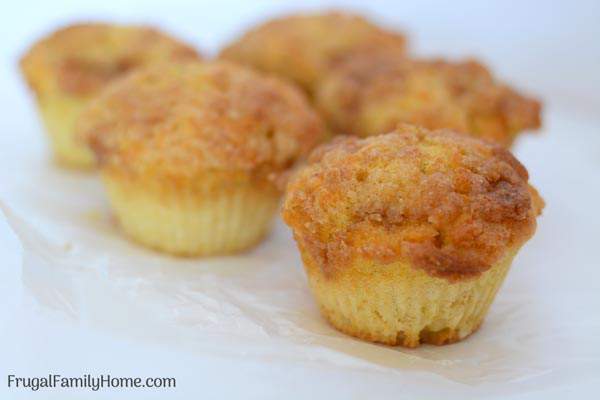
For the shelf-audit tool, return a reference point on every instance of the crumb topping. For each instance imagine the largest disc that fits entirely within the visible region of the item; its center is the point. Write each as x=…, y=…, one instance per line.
x=178, y=120
x=81, y=59
x=371, y=93
x=302, y=47
x=447, y=203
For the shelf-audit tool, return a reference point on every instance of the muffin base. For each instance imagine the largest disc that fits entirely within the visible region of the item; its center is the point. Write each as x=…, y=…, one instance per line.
x=192, y=222
x=59, y=115
x=396, y=304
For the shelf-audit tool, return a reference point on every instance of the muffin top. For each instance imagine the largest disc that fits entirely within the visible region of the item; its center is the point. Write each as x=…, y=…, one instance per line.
x=81, y=59
x=444, y=202
x=178, y=120
x=370, y=94
x=302, y=47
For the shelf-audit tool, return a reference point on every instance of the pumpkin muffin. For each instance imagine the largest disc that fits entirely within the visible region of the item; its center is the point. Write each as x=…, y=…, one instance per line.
x=370, y=94
x=70, y=66
x=406, y=237
x=190, y=153
x=302, y=47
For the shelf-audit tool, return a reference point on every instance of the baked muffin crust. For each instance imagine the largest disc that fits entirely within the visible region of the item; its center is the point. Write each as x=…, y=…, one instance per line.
x=371, y=93
x=443, y=202
x=177, y=121
x=302, y=47
x=81, y=59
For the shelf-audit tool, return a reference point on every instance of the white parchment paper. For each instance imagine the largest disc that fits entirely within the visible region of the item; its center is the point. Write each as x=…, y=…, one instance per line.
x=542, y=331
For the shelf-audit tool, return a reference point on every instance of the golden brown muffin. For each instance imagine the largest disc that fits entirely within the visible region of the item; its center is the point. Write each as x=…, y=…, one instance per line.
x=370, y=94
x=69, y=67
x=189, y=153
x=406, y=237
x=302, y=47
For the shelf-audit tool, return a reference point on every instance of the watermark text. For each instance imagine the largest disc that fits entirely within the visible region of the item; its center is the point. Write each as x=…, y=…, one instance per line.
x=88, y=381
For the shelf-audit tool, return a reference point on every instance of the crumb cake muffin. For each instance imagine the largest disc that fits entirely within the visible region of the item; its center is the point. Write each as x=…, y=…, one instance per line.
x=302, y=47
x=69, y=67
x=190, y=153
x=370, y=94
x=406, y=237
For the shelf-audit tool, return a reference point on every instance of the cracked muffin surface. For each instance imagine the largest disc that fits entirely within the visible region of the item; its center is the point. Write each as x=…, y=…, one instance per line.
x=445, y=203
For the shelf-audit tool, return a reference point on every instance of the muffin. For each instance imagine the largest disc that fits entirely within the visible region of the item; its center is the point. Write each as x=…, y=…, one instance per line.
x=302, y=47
x=406, y=237
x=370, y=94
x=69, y=67
x=191, y=153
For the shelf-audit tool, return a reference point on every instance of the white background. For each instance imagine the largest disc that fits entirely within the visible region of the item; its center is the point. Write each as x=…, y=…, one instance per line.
x=552, y=50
